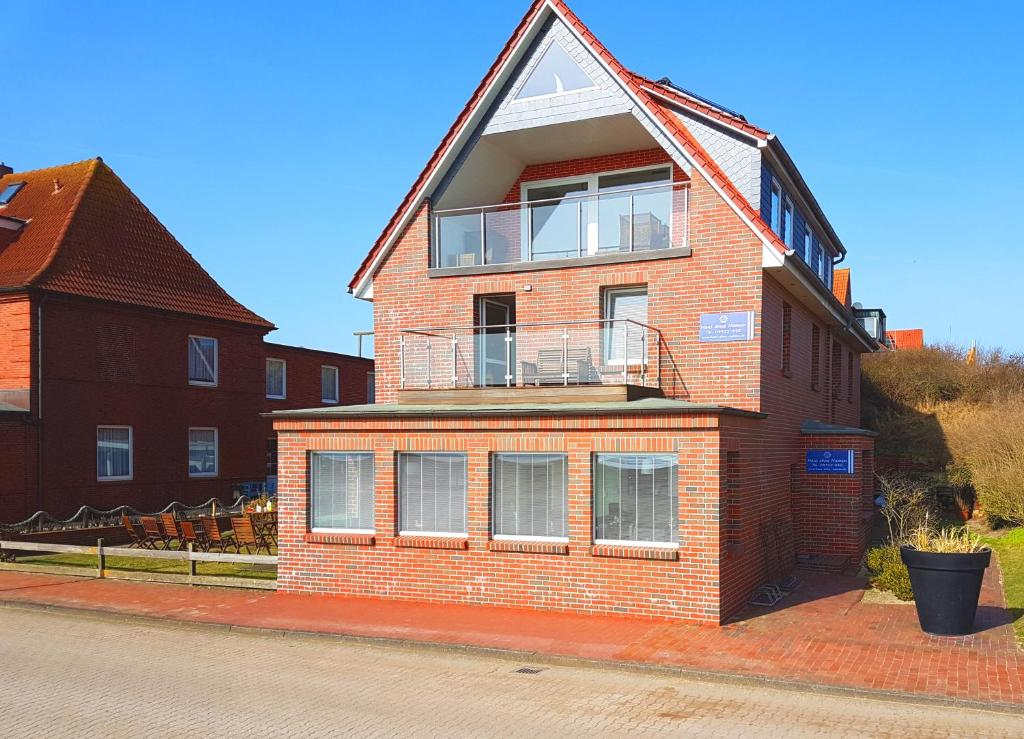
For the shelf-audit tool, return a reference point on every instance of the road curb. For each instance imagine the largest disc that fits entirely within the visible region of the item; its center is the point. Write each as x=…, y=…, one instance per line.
x=518, y=655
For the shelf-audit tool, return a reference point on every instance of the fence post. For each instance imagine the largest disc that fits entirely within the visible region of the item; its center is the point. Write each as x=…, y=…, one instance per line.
x=191, y=565
x=101, y=559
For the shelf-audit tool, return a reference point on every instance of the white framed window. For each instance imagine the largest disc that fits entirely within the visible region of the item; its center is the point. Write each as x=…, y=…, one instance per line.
x=555, y=74
x=606, y=212
x=635, y=499
x=786, y=234
x=625, y=312
x=203, y=454
x=529, y=496
x=277, y=379
x=202, y=361
x=808, y=244
x=328, y=384
x=432, y=493
x=115, y=450
x=776, y=207
x=341, y=492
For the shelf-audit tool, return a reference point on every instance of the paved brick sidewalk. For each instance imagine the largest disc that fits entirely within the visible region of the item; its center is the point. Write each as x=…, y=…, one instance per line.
x=822, y=634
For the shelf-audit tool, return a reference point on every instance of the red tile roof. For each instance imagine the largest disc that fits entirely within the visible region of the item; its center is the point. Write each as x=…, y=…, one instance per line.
x=635, y=82
x=87, y=234
x=906, y=338
x=841, y=287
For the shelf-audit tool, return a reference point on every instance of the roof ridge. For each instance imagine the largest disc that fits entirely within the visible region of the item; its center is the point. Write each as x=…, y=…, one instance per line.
x=90, y=160
x=72, y=211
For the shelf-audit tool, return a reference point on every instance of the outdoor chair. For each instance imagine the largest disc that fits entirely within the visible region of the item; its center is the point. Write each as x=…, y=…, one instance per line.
x=151, y=527
x=188, y=536
x=170, y=528
x=548, y=369
x=212, y=537
x=246, y=536
x=134, y=539
x=265, y=525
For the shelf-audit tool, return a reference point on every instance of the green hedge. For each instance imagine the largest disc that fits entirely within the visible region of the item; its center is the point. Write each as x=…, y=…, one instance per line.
x=888, y=571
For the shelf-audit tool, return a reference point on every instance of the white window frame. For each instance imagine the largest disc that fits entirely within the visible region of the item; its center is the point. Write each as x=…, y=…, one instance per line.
x=606, y=311
x=131, y=454
x=808, y=243
x=216, y=361
x=591, y=247
x=337, y=384
x=514, y=96
x=494, y=518
x=593, y=508
x=398, y=497
x=789, y=212
x=775, y=216
x=216, y=450
x=309, y=497
x=284, y=378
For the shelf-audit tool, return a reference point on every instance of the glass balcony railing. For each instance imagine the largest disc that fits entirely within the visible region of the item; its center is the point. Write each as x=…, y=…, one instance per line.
x=601, y=352
x=607, y=222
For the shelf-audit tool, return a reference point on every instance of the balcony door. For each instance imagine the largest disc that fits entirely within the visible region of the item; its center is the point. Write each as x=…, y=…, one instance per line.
x=622, y=211
x=496, y=337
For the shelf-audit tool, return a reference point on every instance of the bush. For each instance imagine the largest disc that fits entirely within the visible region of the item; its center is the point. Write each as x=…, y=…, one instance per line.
x=888, y=571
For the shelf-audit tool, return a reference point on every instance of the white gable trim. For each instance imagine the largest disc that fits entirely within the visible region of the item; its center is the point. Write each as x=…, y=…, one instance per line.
x=702, y=114
x=470, y=124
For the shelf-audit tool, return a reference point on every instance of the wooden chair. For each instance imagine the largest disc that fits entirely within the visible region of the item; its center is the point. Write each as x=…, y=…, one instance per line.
x=212, y=537
x=547, y=370
x=170, y=529
x=188, y=536
x=245, y=536
x=151, y=528
x=135, y=540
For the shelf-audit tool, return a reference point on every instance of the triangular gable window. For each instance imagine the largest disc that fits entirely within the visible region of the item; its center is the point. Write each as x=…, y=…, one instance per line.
x=555, y=73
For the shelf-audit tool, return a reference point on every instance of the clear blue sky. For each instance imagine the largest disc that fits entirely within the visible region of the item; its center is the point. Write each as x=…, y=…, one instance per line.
x=275, y=139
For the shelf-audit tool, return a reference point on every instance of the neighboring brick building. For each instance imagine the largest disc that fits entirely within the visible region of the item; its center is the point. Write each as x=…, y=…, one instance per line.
x=605, y=393
x=127, y=374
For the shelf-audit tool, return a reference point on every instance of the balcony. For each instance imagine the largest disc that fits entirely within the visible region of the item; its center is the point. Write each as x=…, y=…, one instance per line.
x=530, y=362
x=569, y=227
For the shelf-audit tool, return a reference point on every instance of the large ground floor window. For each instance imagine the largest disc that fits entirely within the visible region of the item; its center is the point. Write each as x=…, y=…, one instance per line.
x=529, y=496
x=341, y=491
x=432, y=494
x=635, y=498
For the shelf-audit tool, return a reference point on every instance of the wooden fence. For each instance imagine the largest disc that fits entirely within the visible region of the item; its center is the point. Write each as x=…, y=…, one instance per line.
x=190, y=555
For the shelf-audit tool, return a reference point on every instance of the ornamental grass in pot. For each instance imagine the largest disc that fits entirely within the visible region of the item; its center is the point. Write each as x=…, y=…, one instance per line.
x=946, y=569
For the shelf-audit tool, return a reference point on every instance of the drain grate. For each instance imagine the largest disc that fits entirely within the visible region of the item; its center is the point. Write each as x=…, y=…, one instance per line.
x=529, y=670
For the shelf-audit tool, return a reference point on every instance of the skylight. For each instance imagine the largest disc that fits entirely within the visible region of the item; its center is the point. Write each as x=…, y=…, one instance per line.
x=10, y=191
x=555, y=73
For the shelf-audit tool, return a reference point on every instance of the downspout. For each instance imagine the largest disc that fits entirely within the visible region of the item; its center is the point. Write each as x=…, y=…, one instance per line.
x=39, y=403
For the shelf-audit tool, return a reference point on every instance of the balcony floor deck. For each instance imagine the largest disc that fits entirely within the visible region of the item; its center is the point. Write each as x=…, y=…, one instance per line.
x=529, y=394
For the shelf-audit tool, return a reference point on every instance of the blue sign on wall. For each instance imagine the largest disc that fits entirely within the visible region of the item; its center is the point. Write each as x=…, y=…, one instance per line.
x=830, y=461
x=727, y=326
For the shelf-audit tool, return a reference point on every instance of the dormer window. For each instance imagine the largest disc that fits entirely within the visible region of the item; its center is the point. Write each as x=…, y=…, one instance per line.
x=10, y=191
x=787, y=223
x=555, y=73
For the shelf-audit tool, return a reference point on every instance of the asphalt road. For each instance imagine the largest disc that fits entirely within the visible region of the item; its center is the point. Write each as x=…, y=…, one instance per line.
x=70, y=676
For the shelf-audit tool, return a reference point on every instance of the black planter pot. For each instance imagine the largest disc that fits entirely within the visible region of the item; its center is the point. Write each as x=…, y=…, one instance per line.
x=946, y=588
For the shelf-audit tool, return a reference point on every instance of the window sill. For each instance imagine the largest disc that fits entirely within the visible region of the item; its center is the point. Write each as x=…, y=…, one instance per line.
x=352, y=540
x=616, y=258
x=528, y=547
x=432, y=542
x=635, y=552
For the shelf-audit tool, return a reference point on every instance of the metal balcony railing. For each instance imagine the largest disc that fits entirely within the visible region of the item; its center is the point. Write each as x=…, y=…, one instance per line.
x=597, y=352
x=608, y=222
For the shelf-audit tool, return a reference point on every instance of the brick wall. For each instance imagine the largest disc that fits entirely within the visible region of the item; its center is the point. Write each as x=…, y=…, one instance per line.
x=18, y=467
x=15, y=342
x=723, y=274
x=684, y=588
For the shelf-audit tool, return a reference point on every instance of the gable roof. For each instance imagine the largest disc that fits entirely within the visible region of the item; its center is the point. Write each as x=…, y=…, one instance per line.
x=85, y=233
x=634, y=84
x=841, y=286
x=906, y=338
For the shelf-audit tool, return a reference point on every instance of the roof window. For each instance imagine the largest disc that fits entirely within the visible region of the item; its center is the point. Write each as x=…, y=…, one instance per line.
x=10, y=191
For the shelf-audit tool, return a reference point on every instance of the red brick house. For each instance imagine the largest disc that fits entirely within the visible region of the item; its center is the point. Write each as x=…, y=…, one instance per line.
x=127, y=374
x=612, y=373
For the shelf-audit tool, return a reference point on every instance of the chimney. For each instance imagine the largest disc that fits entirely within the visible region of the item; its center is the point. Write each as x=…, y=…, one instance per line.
x=5, y=170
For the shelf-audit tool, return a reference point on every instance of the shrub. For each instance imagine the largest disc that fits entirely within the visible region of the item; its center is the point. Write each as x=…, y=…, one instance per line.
x=952, y=540
x=908, y=505
x=888, y=571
